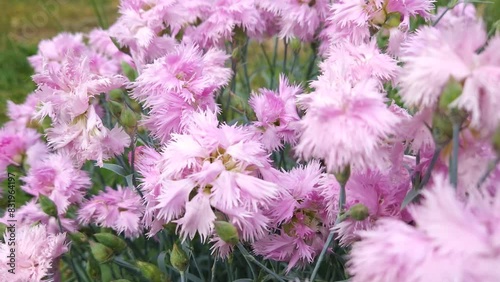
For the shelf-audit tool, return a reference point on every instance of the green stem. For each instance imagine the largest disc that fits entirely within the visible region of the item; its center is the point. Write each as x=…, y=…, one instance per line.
x=285, y=56
x=183, y=277
x=275, y=56
x=248, y=257
x=454, y=155
x=322, y=255
x=491, y=168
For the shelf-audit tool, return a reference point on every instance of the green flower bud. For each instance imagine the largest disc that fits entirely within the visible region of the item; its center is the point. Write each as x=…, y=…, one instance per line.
x=116, y=243
x=227, y=232
x=343, y=176
x=451, y=92
x=442, y=130
x=358, y=212
x=149, y=271
x=78, y=237
x=236, y=54
x=128, y=118
x=116, y=108
x=48, y=206
x=136, y=107
x=129, y=71
x=101, y=253
x=393, y=20
x=116, y=95
x=93, y=269
x=496, y=141
x=296, y=45
x=179, y=258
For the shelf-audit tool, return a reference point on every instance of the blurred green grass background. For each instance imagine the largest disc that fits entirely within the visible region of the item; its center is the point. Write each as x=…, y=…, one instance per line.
x=25, y=22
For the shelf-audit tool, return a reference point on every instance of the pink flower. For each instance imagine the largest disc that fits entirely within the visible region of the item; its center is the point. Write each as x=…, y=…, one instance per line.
x=452, y=241
x=35, y=256
x=52, y=53
x=177, y=85
x=15, y=141
x=299, y=218
x=220, y=22
x=276, y=114
x=22, y=114
x=209, y=167
x=344, y=123
x=56, y=178
x=119, y=209
x=297, y=18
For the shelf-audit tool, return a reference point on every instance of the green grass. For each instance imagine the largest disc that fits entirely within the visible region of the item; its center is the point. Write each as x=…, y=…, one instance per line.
x=25, y=22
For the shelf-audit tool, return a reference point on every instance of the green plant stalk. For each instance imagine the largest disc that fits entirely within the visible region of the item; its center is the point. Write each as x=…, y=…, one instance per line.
x=454, y=155
x=275, y=57
x=248, y=257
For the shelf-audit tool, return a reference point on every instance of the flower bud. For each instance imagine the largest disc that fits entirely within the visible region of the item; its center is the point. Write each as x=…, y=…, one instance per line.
x=93, y=269
x=236, y=54
x=78, y=237
x=116, y=95
x=116, y=243
x=179, y=258
x=129, y=71
x=296, y=45
x=128, y=118
x=227, y=232
x=343, y=176
x=135, y=106
x=47, y=205
x=379, y=17
x=451, y=92
x=358, y=212
x=100, y=252
x=115, y=108
x=149, y=271
x=393, y=20
x=496, y=141
x=442, y=130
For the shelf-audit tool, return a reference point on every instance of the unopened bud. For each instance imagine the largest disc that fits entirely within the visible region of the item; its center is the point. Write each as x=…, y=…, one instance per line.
x=149, y=271
x=115, y=108
x=93, y=269
x=296, y=45
x=116, y=243
x=236, y=54
x=227, y=232
x=358, y=212
x=393, y=20
x=100, y=252
x=128, y=118
x=379, y=17
x=442, y=129
x=179, y=258
x=343, y=176
x=451, y=92
x=78, y=237
x=129, y=71
x=136, y=107
x=47, y=205
x=116, y=95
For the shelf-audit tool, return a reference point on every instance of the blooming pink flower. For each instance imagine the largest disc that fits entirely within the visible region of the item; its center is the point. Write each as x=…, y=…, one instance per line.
x=22, y=114
x=223, y=17
x=299, y=216
x=452, y=241
x=344, y=123
x=51, y=53
x=177, y=85
x=35, y=256
x=207, y=168
x=298, y=18
x=56, y=178
x=276, y=114
x=119, y=209
x=14, y=143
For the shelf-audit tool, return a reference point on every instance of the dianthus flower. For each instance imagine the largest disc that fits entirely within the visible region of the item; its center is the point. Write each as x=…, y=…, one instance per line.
x=452, y=241
x=298, y=18
x=177, y=85
x=299, y=218
x=119, y=209
x=15, y=141
x=56, y=178
x=36, y=254
x=276, y=114
x=208, y=169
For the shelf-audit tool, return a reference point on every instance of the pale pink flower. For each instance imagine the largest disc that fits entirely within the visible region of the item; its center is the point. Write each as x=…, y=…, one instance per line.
x=177, y=85
x=220, y=22
x=299, y=217
x=36, y=251
x=52, y=52
x=209, y=167
x=344, y=123
x=22, y=114
x=297, y=18
x=15, y=141
x=276, y=114
x=119, y=209
x=452, y=241
x=56, y=178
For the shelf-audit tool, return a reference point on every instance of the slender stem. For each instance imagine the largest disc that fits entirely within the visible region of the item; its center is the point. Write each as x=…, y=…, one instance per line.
x=212, y=277
x=248, y=257
x=310, y=68
x=322, y=255
x=275, y=56
x=427, y=175
x=295, y=57
x=266, y=57
x=342, y=197
x=454, y=155
x=183, y=277
x=285, y=55
x=491, y=168
x=441, y=16
x=245, y=67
